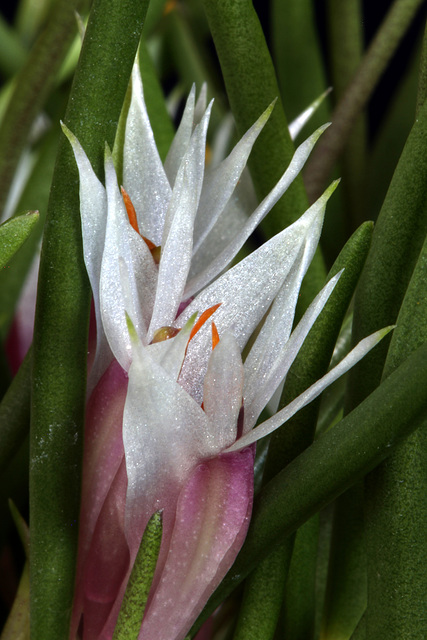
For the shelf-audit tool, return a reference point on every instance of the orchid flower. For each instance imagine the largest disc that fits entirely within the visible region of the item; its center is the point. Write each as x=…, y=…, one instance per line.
x=170, y=417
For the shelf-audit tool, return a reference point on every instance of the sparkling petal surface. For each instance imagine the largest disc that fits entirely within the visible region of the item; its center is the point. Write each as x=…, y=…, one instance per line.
x=267, y=427
x=220, y=182
x=223, y=389
x=143, y=175
x=93, y=212
x=124, y=245
x=177, y=241
x=211, y=523
x=279, y=359
x=181, y=139
x=219, y=264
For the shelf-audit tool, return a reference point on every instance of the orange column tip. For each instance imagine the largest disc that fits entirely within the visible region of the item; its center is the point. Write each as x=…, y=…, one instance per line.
x=203, y=318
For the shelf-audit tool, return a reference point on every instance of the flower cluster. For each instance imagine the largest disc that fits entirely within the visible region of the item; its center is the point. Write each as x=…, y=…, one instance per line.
x=171, y=415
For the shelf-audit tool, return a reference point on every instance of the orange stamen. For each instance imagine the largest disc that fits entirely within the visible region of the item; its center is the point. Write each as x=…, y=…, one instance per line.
x=215, y=336
x=203, y=318
x=130, y=210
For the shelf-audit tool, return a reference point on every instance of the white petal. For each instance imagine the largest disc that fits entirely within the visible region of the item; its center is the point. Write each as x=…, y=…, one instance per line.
x=278, y=359
x=220, y=182
x=174, y=356
x=270, y=425
x=181, y=140
x=296, y=125
x=299, y=158
x=143, y=175
x=229, y=224
x=223, y=388
x=93, y=212
x=164, y=436
x=200, y=107
x=124, y=245
x=177, y=241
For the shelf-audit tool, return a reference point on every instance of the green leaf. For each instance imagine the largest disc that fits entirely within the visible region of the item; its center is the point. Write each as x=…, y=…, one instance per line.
x=334, y=462
x=13, y=234
x=397, y=240
x=62, y=315
x=396, y=499
x=347, y=581
x=139, y=584
x=251, y=85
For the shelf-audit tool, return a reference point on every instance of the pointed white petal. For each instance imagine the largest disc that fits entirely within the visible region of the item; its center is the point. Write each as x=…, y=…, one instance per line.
x=177, y=241
x=181, y=140
x=278, y=359
x=93, y=212
x=222, y=139
x=270, y=425
x=200, y=107
x=220, y=182
x=164, y=436
x=125, y=247
x=229, y=224
x=174, y=356
x=298, y=161
x=296, y=125
x=143, y=175
x=245, y=293
x=223, y=388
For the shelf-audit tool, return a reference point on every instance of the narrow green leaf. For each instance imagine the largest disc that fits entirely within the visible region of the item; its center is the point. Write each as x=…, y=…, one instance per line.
x=422, y=80
x=375, y=61
x=396, y=500
x=251, y=85
x=296, y=19
x=288, y=442
x=22, y=527
x=331, y=465
x=13, y=234
x=347, y=581
x=397, y=240
x=135, y=598
x=263, y=597
x=62, y=314
x=346, y=38
x=297, y=620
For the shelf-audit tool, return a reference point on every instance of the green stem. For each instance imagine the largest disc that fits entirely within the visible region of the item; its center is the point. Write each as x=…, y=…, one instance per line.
x=358, y=93
x=62, y=314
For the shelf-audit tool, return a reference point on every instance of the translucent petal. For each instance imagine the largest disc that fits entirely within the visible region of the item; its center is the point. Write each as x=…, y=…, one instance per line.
x=270, y=425
x=200, y=107
x=211, y=522
x=124, y=244
x=245, y=293
x=299, y=158
x=220, y=182
x=278, y=359
x=223, y=389
x=296, y=125
x=181, y=140
x=165, y=433
x=143, y=175
x=177, y=241
x=93, y=213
